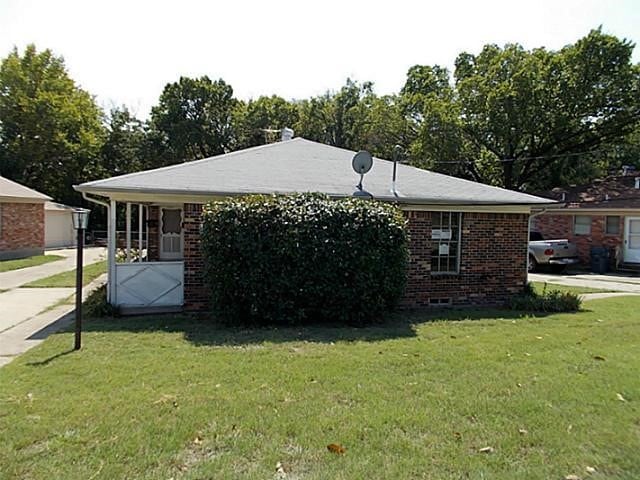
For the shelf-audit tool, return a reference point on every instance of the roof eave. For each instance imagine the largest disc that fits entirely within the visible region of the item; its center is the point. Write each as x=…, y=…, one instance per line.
x=106, y=191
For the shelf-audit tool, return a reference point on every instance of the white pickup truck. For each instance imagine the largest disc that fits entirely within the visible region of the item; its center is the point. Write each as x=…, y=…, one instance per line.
x=556, y=254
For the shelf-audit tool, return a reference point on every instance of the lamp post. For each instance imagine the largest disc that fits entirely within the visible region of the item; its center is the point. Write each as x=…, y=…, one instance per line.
x=80, y=221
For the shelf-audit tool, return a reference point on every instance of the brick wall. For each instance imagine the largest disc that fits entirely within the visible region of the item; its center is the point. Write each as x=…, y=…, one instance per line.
x=561, y=226
x=195, y=293
x=493, y=261
x=21, y=229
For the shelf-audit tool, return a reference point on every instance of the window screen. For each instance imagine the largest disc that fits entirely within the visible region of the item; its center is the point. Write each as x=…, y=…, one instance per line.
x=613, y=225
x=445, y=242
x=582, y=225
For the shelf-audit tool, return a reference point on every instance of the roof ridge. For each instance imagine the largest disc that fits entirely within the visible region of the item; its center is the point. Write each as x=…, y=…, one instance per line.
x=190, y=162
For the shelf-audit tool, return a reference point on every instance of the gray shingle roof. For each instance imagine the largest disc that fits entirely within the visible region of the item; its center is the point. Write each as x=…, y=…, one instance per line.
x=300, y=165
x=11, y=190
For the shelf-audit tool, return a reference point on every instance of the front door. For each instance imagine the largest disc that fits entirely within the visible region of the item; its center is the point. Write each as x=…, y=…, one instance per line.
x=170, y=233
x=632, y=239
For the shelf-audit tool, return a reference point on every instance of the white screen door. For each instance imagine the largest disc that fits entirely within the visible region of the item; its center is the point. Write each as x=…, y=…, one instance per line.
x=170, y=233
x=632, y=239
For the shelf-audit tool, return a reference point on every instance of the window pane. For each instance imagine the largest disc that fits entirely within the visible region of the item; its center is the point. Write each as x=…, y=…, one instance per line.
x=582, y=225
x=171, y=220
x=613, y=225
x=445, y=235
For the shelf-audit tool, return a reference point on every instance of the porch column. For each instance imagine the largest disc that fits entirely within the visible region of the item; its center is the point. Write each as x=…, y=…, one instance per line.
x=128, y=231
x=139, y=232
x=111, y=252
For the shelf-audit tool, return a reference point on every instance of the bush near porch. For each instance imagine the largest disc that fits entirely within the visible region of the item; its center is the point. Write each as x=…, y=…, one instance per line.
x=303, y=258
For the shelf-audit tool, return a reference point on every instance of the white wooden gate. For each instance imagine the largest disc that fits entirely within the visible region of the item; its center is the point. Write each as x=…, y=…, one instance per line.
x=149, y=284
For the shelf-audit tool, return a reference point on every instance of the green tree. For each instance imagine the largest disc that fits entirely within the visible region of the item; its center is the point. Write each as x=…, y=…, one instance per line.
x=257, y=120
x=50, y=129
x=527, y=119
x=124, y=148
x=330, y=118
x=536, y=111
x=195, y=116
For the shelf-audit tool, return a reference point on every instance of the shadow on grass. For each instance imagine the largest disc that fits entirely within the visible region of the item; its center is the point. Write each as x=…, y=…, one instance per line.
x=47, y=361
x=202, y=330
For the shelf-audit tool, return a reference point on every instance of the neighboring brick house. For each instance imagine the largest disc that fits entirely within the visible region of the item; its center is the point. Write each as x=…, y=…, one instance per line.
x=604, y=213
x=22, y=220
x=468, y=241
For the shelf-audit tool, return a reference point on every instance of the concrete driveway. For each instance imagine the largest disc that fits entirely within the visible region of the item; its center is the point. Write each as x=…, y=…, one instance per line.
x=616, y=282
x=28, y=315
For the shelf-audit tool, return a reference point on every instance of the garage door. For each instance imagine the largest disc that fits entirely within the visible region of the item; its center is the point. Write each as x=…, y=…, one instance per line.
x=58, y=229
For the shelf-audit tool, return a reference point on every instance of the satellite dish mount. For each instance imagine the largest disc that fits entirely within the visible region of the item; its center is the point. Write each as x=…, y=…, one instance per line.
x=362, y=163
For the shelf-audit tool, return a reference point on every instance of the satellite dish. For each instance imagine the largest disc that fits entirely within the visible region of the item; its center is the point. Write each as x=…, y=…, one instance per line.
x=362, y=163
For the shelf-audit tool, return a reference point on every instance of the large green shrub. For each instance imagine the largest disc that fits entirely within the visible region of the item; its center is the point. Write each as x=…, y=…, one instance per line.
x=303, y=258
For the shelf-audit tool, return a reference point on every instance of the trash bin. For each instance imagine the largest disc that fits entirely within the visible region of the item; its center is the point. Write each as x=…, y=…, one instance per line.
x=599, y=259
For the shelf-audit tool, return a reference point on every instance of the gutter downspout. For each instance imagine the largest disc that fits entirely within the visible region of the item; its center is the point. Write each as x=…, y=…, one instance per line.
x=110, y=265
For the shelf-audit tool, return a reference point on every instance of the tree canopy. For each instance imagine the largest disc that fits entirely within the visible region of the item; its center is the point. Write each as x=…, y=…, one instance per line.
x=508, y=116
x=50, y=129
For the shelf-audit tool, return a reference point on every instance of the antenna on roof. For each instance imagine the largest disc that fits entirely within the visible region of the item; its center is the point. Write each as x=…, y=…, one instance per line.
x=362, y=163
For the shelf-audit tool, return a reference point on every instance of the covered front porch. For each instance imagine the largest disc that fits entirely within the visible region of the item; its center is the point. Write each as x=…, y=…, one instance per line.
x=146, y=276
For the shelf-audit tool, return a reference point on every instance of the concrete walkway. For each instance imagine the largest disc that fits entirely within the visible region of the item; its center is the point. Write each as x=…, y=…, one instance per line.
x=29, y=331
x=15, y=278
x=596, y=296
x=617, y=283
x=21, y=304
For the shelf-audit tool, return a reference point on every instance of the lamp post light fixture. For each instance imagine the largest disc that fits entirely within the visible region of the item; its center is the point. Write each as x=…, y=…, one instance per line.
x=80, y=222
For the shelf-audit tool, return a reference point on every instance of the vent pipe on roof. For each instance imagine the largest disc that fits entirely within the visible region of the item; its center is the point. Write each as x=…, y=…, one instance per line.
x=397, y=157
x=287, y=134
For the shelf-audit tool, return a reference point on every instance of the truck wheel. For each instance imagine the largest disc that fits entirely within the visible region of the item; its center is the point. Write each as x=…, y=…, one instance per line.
x=533, y=264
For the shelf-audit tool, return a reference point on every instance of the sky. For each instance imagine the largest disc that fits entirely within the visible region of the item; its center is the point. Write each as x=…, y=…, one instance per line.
x=124, y=52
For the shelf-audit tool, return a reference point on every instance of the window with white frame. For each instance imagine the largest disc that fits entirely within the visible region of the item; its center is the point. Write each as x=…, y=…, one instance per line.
x=582, y=225
x=445, y=242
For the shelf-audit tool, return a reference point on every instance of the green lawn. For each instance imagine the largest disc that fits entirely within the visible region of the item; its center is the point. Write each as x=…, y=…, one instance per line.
x=540, y=286
x=68, y=279
x=177, y=397
x=7, y=265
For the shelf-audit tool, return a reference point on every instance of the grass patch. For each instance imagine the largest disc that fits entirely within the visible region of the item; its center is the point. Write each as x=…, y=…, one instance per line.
x=539, y=288
x=68, y=278
x=8, y=265
x=174, y=396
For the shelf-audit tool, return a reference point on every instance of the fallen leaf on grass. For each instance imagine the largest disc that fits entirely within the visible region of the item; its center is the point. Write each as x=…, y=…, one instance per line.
x=486, y=450
x=458, y=435
x=280, y=469
x=572, y=477
x=522, y=431
x=590, y=470
x=620, y=397
x=197, y=440
x=598, y=357
x=336, y=448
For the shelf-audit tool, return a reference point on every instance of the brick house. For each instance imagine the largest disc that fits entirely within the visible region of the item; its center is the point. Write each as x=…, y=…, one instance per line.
x=22, y=218
x=604, y=213
x=468, y=241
